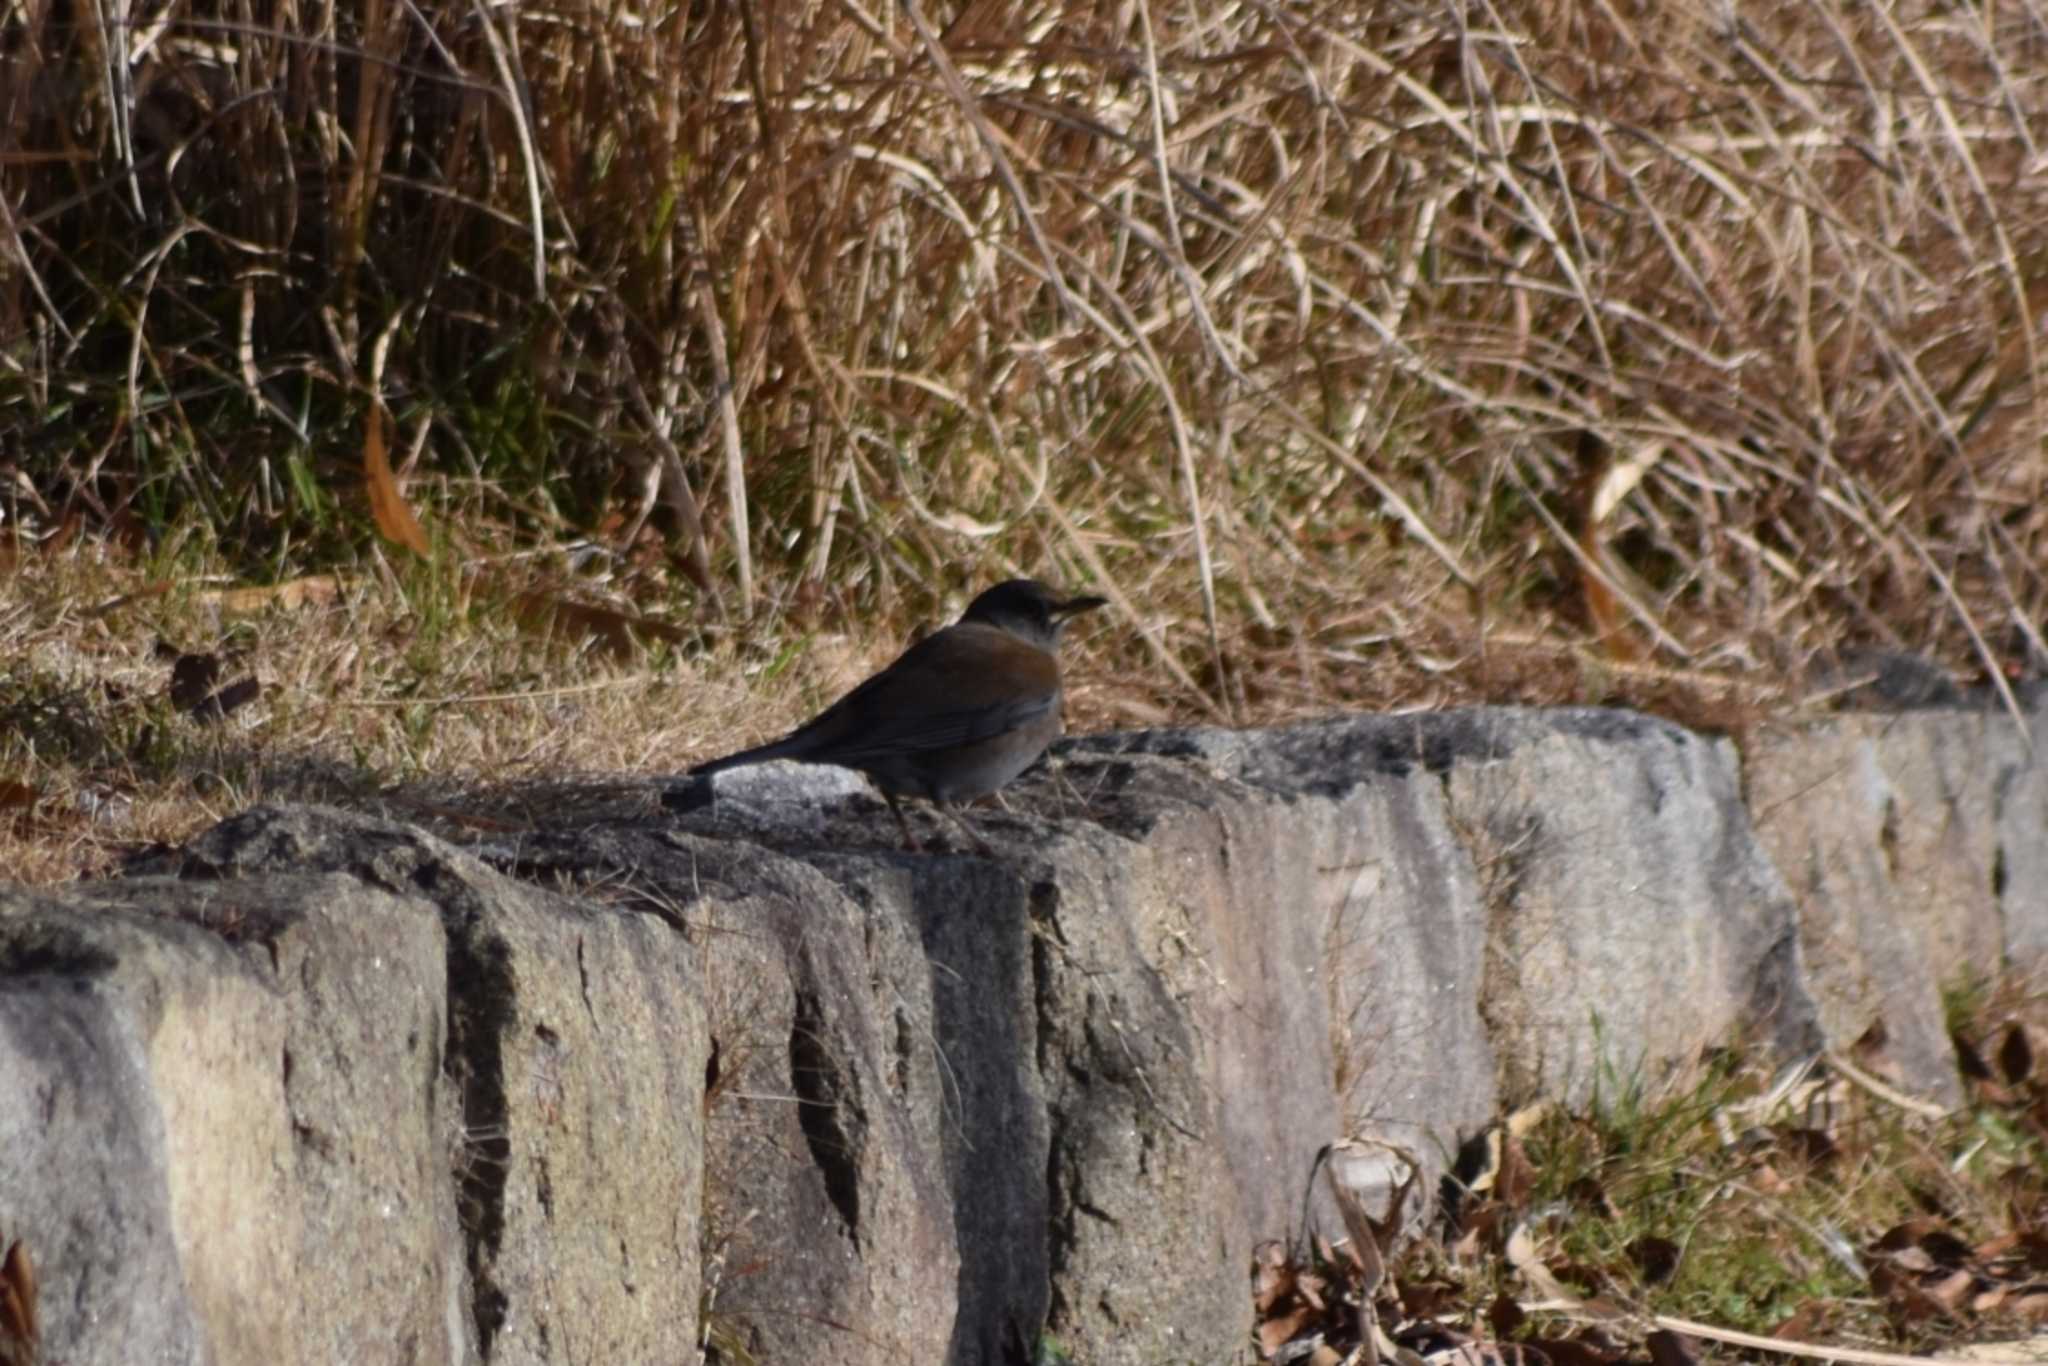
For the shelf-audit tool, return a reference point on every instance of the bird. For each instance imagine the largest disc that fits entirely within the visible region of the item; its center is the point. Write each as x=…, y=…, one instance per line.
x=957, y=716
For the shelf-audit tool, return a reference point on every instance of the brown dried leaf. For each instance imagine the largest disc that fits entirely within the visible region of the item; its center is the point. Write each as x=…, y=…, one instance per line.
x=618, y=634
x=1517, y=1175
x=238, y=693
x=1272, y=1276
x=2015, y=1054
x=1276, y=1333
x=293, y=595
x=67, y=531
x=193, y=677
x=1672, y=1349
x=1807, y=1323
x=1913, y=1261
x=1951, y=1291
x=17, y=794
x=394, y=517
x=1480, y=1224
x=1505, y=1316
x=1424, y=1299
x=1656, y=1258
x=1905, y=1234
x=1968, y=1060
x=21, y=1333
x=1904, y=1297
x=1991, y=1249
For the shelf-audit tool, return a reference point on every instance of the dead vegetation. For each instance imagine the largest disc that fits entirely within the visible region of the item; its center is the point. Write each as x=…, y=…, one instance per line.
x=1370, y=355
x=1752, y=1215
x=1373, y=355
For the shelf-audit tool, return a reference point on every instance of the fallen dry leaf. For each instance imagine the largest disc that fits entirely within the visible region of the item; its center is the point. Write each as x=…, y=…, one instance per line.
x=1951, y=1291
x=2016, y=1054
x=193, y=687
x=21, y=1332
x=388, y=508
x=619, y=634
x=1672, y=1349
x=1968, y=1060
x=1276, y=1333
x=1656, y=1258
x=1806, y=1324
x=293, y=595
x=1272, y=1276
x=192, y=678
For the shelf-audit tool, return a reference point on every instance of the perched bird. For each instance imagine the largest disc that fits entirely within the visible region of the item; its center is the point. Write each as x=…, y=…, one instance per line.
x=957, y=715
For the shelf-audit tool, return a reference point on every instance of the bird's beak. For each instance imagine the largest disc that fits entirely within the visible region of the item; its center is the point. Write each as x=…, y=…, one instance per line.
x=1074, y=607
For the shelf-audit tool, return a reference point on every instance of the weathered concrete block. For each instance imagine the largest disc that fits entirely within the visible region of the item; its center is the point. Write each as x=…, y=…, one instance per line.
x=1888, y=829
x=361, y=1098
x=324, y=1087
x=261, y=1170
x=1634, y=919
x=828, y=1228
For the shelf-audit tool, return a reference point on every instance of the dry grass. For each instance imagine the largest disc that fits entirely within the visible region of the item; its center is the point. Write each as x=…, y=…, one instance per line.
x=1750, y=1198
x=440, y=697
x=1382, y=357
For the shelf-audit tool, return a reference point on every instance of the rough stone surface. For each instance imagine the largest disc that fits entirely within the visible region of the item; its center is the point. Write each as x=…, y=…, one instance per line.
x=139, y=1061
x=825, y=1203
x=319, y=1087
x=1891, y=832
x=2019, y=872
x=362, y=1098
x=1614, y=849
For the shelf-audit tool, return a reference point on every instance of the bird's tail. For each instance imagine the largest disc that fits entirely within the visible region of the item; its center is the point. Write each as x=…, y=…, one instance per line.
x=759, y=754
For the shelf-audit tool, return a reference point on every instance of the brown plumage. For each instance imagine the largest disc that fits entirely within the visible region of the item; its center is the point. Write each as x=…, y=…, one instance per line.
x=958, y=715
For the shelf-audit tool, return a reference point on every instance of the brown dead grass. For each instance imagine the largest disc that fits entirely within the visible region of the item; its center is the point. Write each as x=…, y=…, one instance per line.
x=1833, y=1217
x=1370, y=357
x=1304, y=333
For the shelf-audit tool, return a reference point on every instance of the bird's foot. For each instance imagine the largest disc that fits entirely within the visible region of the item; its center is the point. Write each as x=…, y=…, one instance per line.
x=981, y=845
x=910, y=844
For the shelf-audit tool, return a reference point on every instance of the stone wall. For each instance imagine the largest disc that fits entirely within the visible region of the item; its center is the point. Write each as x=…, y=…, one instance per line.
x=321, y=1088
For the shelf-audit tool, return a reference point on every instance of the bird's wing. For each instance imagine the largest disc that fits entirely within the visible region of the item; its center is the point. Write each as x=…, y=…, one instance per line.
x=966, y=683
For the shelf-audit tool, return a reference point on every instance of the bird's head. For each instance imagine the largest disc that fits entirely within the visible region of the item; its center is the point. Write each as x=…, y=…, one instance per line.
x=1028, y=610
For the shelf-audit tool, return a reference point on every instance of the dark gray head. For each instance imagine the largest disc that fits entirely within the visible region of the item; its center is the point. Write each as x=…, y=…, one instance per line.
x=1028, y=610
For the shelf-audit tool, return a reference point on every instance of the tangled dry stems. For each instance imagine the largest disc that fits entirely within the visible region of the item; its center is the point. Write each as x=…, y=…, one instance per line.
x=1319, y=339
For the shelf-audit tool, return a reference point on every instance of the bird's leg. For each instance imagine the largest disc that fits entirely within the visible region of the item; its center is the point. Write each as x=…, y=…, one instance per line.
x=981, y=845
x=1070, y=796
x=909, y=837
